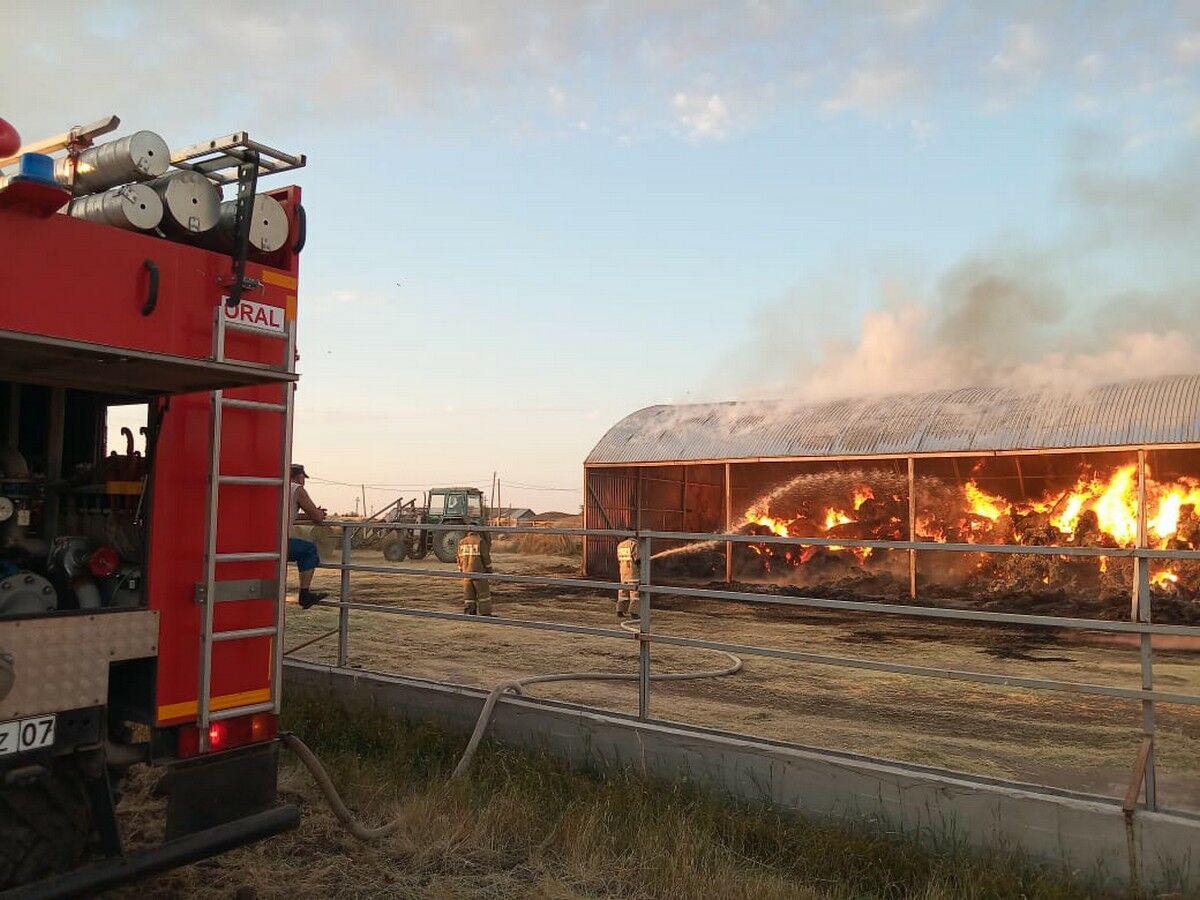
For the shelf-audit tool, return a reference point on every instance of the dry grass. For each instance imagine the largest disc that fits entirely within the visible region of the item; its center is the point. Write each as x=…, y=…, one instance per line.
x=525, y=827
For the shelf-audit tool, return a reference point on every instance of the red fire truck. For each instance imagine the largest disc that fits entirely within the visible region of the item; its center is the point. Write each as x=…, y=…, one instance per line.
x=142, y=584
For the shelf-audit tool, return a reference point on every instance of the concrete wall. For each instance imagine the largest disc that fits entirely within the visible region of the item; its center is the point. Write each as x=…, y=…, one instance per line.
x=1087, y=835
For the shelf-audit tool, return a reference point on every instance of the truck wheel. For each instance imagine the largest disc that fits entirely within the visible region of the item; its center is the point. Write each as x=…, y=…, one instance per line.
x=45, y=828
x=394, y=549
x=419, y=548
x=445, y=545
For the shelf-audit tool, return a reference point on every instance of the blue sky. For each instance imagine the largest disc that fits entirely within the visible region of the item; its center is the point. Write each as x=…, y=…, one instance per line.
x=528, y=220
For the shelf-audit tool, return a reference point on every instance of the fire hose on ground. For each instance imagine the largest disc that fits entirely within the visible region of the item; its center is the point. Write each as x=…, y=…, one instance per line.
x=516, y=686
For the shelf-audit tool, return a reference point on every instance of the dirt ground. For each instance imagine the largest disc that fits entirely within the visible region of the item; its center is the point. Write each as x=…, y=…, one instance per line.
x=1066, y=740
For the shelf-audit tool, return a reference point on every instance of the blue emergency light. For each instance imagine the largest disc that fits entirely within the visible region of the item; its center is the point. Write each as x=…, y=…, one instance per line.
x=36, y=167
x=33, y=188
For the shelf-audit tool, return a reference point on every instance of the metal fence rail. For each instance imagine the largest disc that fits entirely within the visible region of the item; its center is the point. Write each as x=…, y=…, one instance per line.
x=1139, y=623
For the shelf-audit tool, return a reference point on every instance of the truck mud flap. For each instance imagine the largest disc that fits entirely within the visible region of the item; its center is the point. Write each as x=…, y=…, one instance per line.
x=211, y=790
x=91, y=879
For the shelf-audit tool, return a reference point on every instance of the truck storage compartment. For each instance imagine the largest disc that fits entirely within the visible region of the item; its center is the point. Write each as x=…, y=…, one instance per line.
x=73, y=503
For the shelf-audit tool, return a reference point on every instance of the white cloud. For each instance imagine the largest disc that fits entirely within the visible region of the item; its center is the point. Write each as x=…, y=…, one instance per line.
x=1136, y=140
x=1091, y=65
x=907, y=13
x=871, y=89
x=1156, y=84
x=923, y=130
x=557, y=97
x=702, y=117
x=1022, y=53
x=1187, y=48
x=531, y=65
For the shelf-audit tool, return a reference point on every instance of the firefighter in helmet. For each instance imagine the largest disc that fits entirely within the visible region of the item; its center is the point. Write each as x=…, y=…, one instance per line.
x=629, y=562
x=475, y=555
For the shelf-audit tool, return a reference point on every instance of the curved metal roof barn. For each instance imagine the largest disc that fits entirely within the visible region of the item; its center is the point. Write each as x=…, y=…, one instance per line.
x=1148, y=412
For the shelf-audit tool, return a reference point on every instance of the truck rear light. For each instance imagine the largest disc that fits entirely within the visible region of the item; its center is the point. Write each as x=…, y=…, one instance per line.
x=263, y=726
x=104, y=561
x=228, y=733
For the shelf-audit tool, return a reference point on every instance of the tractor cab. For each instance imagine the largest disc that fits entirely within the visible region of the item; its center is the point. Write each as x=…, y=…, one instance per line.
x=443, y=506
x=455, y=505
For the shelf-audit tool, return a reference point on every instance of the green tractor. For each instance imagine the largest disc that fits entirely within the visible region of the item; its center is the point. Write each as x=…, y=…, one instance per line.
x=443, y=506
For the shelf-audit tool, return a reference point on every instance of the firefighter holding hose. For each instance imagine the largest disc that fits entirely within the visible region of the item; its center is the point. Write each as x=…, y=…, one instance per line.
x=475, y=555
x=630, y=563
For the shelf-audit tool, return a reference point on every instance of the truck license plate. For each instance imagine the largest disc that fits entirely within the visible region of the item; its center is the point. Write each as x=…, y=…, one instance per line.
x=20, y=735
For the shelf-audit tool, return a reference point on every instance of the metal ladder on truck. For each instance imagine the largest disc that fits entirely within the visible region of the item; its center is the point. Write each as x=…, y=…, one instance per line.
x=212, y=591
x=228, y=160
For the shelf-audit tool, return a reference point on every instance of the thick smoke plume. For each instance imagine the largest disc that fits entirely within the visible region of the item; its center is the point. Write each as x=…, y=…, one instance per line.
x=1114, y=297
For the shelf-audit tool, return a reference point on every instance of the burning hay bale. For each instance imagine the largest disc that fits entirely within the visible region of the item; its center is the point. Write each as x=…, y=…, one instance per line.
x=1087, y=506
x=851, y=504
x=1097, y=509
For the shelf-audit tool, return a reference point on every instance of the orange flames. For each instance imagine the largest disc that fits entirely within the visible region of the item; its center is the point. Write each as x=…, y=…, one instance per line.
x=984, y=504
x=1165, y=579
x=778, y=526
x=1100, y=509
x=835, y=517
x=1114, y=504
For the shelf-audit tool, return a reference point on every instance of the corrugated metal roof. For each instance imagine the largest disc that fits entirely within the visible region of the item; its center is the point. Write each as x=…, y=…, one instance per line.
x=1151, y=411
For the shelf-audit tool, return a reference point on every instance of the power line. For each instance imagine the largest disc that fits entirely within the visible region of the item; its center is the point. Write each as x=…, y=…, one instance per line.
x=396, y=485
x=473, y=482
x=538, y=487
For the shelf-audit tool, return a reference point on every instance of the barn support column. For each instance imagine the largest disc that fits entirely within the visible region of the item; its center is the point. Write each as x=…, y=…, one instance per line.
x=728, y=524
x=683, y=523
x=912, y=529
x=637, y=502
